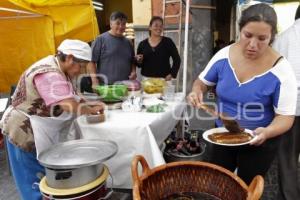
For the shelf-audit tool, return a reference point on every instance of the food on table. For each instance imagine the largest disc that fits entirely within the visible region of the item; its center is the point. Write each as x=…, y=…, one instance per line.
x=156, y=108
x=153, y=85
x=230, y=138
x=132, y=104
x=112, y=93
x=132, y=85
x=95, y=118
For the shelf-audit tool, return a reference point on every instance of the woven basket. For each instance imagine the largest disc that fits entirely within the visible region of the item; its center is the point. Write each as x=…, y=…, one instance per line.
x=191, y=176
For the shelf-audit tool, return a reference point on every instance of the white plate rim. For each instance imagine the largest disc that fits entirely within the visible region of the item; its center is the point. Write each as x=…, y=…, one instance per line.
x=223, y=129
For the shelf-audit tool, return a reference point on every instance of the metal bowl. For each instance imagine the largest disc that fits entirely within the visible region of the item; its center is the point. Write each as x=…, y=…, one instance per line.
x=77, y=162
x=72, y=178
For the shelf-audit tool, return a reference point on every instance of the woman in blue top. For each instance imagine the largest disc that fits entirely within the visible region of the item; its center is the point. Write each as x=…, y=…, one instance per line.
x=254, y=85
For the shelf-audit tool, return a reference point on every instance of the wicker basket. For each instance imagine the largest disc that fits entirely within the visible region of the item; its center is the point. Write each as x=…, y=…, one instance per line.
x=191, y=176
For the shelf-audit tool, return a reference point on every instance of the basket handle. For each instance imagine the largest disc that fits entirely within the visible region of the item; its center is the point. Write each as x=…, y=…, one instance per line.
x=256, y=188
x=134, y=167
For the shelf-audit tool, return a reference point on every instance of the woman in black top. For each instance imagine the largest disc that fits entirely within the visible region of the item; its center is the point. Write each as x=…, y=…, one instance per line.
x=153, y=53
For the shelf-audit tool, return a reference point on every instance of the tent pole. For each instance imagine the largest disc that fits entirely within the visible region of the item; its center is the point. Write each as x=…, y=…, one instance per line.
x=17, y=11
x=19, y=17
x=185, y=48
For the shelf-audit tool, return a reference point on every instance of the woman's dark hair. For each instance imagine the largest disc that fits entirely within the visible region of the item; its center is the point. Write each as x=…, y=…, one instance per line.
x=61, y=56
x=153, y=19
x=260, y=13
x=297, y=15
x=117, y=15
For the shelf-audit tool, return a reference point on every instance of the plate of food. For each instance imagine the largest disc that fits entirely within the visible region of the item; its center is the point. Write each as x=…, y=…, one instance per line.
x=221, y=136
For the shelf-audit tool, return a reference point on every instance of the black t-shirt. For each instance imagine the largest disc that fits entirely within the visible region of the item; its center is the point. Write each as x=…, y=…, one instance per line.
x=156, y=61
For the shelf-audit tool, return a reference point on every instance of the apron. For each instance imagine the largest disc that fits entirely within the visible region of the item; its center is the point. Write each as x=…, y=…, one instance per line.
x=49, y=131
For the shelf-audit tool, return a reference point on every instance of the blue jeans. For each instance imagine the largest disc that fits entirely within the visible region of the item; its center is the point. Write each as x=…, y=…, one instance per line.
x=24, y=167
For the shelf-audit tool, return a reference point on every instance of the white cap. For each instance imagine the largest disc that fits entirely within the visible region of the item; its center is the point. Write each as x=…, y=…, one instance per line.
x=77, y=48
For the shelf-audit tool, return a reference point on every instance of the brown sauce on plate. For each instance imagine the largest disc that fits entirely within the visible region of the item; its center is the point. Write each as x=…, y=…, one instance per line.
x=230, y=138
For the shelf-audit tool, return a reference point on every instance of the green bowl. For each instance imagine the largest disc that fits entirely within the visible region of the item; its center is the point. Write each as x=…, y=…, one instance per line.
x=112, y=93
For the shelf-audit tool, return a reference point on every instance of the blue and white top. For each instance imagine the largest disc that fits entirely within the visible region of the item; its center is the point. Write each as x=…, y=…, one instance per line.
x=252, y=103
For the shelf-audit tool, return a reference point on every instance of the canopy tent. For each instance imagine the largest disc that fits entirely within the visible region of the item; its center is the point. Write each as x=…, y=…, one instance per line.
x=32, y=29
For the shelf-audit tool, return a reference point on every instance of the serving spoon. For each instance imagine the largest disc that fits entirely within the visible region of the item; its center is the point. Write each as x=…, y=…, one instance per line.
x=230, y=124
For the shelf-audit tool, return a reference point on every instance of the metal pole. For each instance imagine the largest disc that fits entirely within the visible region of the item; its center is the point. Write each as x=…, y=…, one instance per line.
x=185, y=48
x=185, y=58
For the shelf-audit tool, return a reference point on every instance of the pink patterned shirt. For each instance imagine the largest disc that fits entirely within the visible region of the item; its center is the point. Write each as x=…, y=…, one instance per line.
x=53, y=87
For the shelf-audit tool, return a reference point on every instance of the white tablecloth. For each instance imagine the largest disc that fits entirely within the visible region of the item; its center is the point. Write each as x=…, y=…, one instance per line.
x=135, y=133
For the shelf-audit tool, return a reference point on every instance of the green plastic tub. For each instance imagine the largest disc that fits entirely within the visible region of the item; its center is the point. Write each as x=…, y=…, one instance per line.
x=112, y=93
